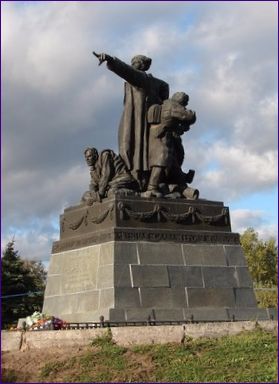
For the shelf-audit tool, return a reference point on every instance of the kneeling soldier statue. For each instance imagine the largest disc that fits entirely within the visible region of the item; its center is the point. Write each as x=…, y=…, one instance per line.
x=109, y=175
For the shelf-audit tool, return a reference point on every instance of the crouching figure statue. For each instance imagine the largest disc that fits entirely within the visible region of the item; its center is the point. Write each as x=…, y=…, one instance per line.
x=109, y=176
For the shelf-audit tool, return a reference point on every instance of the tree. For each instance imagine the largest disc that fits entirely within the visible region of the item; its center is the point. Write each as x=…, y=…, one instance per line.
x=20, y=278
x=262, y=258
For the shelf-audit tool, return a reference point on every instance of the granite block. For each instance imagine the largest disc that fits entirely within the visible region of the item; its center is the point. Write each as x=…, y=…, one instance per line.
x=185, y=276
x=60, y=305
x=248, y=314
x=214, y=255
x=210, y=297
x=66, y=262
x=245, y=297
x=125, y=253
x=139, y=314
x=206, y=314
x=90, y=316
x=116, y=314
x=87, y=301
x=78, y=271
x=77, y=283
x=219, y=277
x=105, y=276
x=122, y=275
x=160, y=253
x=204, y=255
x=53, y=285
x=149, y=276
x=126, y=297
x=163, y=297
x=175, y=314
x=107, y=253
x=107, y=298
x=244, y=277
x=234, y=255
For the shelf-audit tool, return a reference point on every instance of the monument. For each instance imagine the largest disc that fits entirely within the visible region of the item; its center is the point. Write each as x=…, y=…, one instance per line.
x=141, y=245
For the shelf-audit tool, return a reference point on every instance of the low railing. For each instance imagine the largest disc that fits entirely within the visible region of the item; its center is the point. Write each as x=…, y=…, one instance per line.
x=109, y=324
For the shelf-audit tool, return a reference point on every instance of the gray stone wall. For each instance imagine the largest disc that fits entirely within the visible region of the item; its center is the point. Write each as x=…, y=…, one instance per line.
x=141, y=281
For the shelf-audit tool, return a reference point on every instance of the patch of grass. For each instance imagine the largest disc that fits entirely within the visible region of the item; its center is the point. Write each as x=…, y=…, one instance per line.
x=13, y=376
x=52, y=368
x=101, y=363
x=248, y=357
x=142, y=349
x=8, y=376
x=103, y=340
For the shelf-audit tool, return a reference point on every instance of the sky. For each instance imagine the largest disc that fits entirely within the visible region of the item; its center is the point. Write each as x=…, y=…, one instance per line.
x=56, y=101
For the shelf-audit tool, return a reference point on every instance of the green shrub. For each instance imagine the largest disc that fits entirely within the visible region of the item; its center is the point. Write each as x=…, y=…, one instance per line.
x=267, y=299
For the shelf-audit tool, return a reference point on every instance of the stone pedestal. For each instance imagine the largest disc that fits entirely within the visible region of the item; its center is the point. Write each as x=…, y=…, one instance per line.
x=135, y=259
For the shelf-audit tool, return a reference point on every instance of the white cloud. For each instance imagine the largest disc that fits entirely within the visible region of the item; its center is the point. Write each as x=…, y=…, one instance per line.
x=241, y=219
x=224, y=26
x=50, y=44
x=31, y=195
x=229, y=172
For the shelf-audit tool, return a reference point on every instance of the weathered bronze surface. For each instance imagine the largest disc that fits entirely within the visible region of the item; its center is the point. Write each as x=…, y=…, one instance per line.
x=109, y=175
x=130, y=217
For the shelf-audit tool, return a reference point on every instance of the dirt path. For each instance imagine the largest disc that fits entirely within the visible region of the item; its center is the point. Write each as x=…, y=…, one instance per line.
x=25, y=366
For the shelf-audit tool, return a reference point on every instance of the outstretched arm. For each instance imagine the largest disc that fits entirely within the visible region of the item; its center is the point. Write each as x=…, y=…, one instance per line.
x=125, y=71
x=102, y=57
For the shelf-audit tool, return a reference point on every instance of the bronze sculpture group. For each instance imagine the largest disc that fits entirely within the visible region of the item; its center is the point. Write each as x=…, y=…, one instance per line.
x=140, y=248
x=151, y=153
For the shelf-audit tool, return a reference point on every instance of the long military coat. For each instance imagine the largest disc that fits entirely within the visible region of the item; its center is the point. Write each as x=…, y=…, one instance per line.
x=140, y=91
